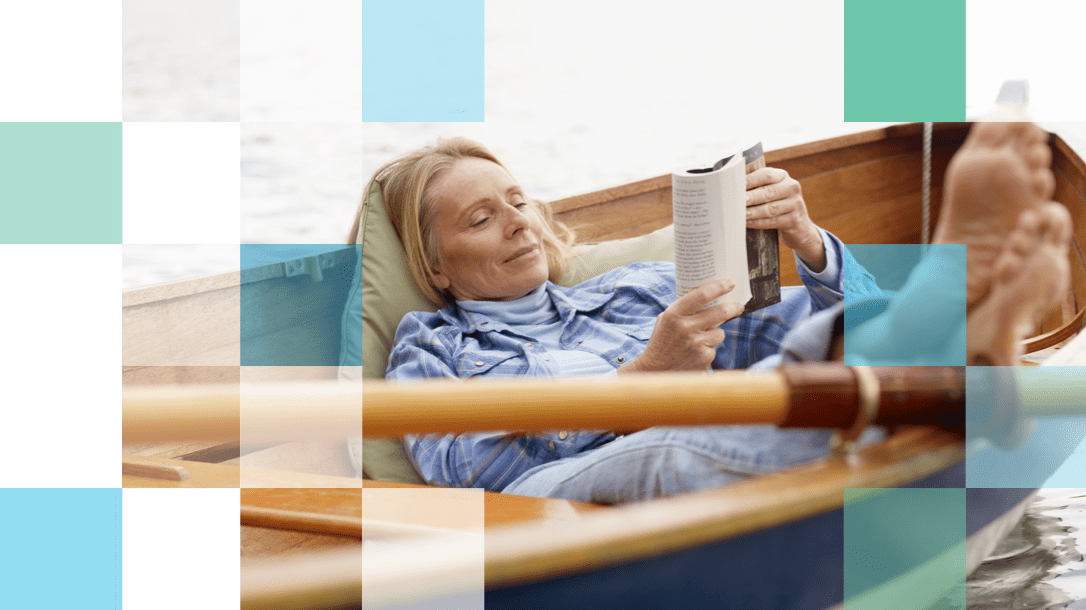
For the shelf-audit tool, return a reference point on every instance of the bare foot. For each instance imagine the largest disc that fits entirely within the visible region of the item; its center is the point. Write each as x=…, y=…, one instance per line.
x=1027, y=279
x=1000, y=171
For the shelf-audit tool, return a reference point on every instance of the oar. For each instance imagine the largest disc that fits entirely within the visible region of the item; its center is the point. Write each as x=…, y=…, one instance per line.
x=1003, y=401
x=812, y=395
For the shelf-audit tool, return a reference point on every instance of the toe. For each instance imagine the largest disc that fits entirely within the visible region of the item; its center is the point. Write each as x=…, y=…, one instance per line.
x=1043, y=184
x=1055, y=224
x=1039, y=156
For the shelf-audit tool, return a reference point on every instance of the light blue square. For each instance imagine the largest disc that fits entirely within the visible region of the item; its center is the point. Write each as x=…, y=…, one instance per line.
x=422, y=61
x=1010, y=449
x=62, y=548
x=923, y=323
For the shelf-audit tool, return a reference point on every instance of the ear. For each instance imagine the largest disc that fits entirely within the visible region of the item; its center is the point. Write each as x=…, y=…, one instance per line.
x=441, y=281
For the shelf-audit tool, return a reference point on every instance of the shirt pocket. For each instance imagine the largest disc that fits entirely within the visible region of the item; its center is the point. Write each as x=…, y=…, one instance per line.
x=490, y=363
x=641, y=332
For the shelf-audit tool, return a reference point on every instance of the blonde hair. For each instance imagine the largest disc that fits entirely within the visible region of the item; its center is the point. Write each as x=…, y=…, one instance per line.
x=404, y=185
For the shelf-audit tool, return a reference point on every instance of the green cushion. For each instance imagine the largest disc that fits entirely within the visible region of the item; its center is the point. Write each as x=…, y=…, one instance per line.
x=383, y=292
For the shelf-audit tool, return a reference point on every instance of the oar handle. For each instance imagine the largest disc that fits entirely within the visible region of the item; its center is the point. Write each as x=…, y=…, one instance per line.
x=826, y=395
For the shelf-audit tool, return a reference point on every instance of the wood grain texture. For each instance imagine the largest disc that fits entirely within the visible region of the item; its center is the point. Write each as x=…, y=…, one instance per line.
x=201, y=329
x=605, y=537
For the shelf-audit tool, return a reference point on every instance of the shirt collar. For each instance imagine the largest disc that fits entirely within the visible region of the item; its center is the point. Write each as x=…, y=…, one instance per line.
x=567, y=300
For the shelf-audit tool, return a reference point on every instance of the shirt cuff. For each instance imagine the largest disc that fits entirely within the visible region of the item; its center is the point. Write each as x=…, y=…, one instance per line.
x=831, y=275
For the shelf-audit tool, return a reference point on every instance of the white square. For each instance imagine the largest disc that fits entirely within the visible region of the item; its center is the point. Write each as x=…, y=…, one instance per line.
x=301, y=61
x=181, y=548
x=181, y=183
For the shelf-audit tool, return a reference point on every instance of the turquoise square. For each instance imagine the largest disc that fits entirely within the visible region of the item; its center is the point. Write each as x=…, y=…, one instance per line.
x=292, y=300
x=904, y=548
x=904, y=61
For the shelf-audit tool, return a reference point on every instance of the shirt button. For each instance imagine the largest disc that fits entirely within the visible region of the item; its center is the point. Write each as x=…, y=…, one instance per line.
x=551, y=445
x=529, y=344
x=479, y=363
x=546, y=358
x=562, y=435
x=621, y=359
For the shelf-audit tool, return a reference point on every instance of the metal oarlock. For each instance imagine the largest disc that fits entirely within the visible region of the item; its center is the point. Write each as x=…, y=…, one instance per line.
x=868, y=390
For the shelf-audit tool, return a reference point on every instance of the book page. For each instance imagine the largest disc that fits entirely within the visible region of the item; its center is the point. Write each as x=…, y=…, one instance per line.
x=709, y=213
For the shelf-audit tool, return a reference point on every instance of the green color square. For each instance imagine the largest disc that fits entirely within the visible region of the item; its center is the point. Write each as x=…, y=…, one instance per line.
x=61, y=60
x=60, y=183
x=60, y=366
x=904, y=548
x=905, y=61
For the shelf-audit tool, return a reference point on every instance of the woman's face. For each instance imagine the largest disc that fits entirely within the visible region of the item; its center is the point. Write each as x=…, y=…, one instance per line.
x=487, y=235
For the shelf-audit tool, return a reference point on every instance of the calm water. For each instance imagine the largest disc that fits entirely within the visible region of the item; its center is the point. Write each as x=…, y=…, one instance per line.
x=1039, y=565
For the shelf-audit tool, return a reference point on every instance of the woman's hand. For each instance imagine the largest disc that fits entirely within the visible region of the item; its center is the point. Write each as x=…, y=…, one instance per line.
x=687, y=333
x=775, y=201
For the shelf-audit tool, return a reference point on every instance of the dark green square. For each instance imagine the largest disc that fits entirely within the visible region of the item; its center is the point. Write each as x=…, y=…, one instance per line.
x=60, y=339
x=60, y=60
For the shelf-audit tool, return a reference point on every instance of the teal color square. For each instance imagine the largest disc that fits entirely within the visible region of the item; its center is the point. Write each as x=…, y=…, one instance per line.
x=904, y=548
x=292, y=300
x=1011, y=449
x=62, y=548
x=904, y=61
x=60, y=183
x=923, y=322
x=422, y=61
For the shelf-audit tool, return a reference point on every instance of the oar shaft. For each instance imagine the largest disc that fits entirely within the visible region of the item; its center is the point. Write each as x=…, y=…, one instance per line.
x=1051, y=390
x=809, y=395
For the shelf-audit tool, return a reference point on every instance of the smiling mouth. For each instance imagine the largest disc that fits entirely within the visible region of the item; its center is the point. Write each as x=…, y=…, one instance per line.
x=522, y=253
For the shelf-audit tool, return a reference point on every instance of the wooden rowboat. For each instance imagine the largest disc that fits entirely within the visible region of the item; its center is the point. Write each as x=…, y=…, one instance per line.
x=676, y=552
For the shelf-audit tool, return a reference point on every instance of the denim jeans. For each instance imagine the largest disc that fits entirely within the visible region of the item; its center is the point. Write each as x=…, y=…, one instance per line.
x=667, y=461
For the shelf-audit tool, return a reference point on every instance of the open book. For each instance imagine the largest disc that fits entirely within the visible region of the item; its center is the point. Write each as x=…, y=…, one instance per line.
x=712, y=241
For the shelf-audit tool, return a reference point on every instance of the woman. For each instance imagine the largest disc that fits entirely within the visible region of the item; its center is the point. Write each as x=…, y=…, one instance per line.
x=477, y=244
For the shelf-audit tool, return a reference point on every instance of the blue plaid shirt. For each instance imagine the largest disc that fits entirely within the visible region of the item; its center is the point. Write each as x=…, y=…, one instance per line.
x=618, y=310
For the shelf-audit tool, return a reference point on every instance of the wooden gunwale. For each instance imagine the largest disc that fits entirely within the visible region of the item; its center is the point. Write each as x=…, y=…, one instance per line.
x=527, y=553
x=828, y=168
x=520, y=554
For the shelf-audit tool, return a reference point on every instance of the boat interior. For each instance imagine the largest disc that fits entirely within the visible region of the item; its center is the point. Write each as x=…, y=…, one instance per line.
x=282, y=321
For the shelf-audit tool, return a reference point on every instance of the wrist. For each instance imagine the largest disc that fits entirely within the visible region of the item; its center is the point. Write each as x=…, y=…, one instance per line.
x=813, y=251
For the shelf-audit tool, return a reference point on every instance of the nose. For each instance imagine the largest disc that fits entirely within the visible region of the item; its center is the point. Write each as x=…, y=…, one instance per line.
x=517, y=221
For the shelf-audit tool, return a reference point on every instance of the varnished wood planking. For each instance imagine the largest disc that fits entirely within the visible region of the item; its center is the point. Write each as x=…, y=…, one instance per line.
x=173, y=375
x=327, y=457
x=180, y=289
x=418, y=509
x=596, y=222
x=200, y=329
x=259, y=542
x=607, y=537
